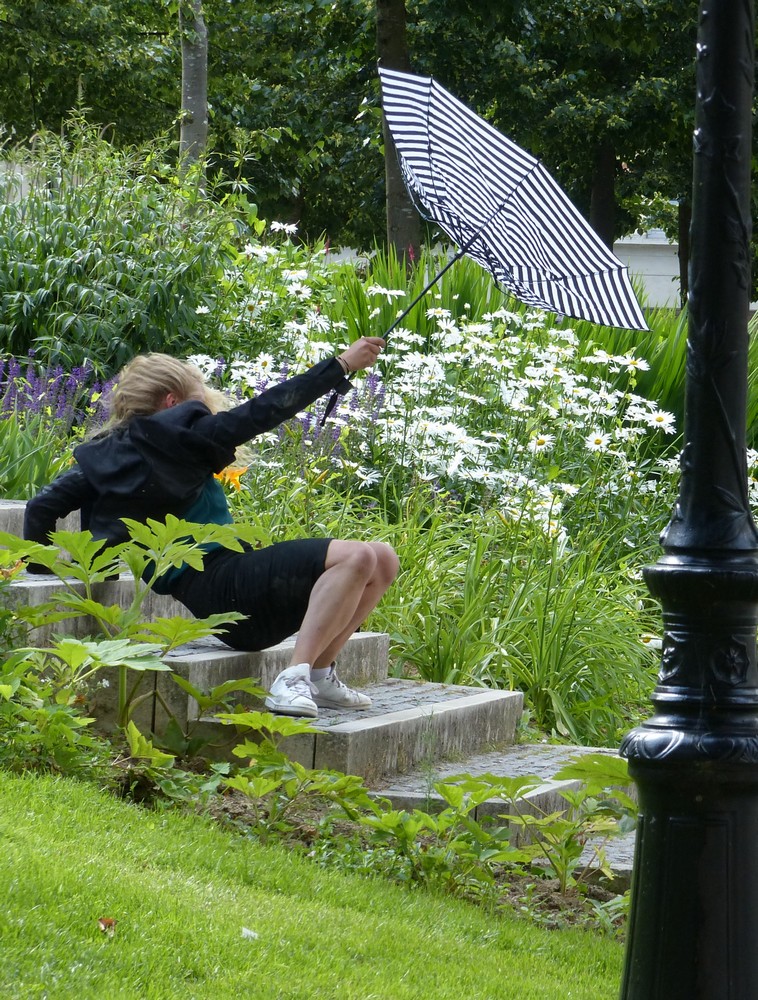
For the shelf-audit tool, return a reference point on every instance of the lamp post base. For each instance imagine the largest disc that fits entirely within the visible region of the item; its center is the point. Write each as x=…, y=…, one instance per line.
x=693, y=932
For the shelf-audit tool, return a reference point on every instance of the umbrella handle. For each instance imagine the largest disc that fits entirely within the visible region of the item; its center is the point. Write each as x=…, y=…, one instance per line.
x=339, y=390
x=344, y=387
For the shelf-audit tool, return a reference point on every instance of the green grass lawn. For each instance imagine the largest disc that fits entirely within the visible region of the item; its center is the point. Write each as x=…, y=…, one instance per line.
x=182, y=890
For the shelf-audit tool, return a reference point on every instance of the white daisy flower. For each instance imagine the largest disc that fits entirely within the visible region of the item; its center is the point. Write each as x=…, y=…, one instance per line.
x=389, y=293
x=290, y=228
x=662, y=420
x=632, y=364
x=597, y=441
x=541, y=442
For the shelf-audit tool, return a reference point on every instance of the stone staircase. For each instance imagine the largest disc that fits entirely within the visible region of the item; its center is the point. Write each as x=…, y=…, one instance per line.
x=414, y=733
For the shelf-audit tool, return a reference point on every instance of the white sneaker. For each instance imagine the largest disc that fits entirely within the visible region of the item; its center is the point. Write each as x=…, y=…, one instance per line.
x=332, y=693
x=292, y=692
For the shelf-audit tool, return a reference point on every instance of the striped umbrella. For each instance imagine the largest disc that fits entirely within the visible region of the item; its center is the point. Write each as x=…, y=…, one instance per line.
x=501, y=207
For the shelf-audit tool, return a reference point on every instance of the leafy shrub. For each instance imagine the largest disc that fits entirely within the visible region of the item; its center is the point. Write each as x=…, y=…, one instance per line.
x=105, y=255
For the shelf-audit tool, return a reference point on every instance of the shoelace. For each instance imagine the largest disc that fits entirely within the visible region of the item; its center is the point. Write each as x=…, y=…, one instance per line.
x=334, y=679
x=340, y=685
x=302, y=686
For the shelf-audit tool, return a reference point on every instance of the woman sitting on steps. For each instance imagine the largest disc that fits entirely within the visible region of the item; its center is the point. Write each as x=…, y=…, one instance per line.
x=157, y=455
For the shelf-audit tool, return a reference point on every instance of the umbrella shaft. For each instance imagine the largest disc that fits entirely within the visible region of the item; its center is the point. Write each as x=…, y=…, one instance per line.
x=423, y=292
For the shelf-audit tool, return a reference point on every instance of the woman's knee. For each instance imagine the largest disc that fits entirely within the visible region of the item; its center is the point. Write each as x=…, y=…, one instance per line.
x=359, y=557
x=387, y=562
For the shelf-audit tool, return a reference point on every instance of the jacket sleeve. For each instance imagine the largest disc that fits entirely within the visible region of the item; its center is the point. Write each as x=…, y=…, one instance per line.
x=70, y=491
x=231, y=428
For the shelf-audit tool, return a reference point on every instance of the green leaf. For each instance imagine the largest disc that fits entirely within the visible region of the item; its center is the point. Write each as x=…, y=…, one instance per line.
x=142, y=748
x=284, y=725
x=597, y=771
x=255, y=787
x=112, y=614
x=89, y=561
x=176, y=631
x=109, y=653
x=218, y=694
x=45, y=555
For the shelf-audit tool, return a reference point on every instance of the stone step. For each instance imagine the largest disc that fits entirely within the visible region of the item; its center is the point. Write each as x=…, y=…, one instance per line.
x=33, y=590
x=208, y=663
x=410, y=723
x=12, y=518
x=414, y=790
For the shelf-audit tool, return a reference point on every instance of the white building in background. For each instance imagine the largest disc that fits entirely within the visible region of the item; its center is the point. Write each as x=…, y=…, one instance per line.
x=653, y=261
x=13, y=176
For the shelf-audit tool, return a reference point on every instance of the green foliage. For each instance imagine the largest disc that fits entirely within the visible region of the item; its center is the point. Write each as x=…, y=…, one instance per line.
x=102, y=258
x=440, y=455
x=444, y=618
x=192, y=740
x=142, y=748
x=600, y=808
x=483, y=600
x=449, y=848
x=42, y=726
x=274, y=785
x=116, y=60
x=453, y=850
x=293, y=79
x=32, y=453
x=294, y=99
x=81, y=563
x=569, y=619
x=12, y=631
x=202, y=912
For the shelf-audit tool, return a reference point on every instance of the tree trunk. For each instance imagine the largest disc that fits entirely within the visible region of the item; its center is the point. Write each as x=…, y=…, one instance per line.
x=684, y=220
x=403, y=223
x=194, y=117
x=603, y=196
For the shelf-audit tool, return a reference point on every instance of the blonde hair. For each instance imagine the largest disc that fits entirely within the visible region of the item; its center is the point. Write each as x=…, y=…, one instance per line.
x=144, y=382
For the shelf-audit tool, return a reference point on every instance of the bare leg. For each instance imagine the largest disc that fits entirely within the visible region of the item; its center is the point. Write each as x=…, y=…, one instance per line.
x=386, y=571
x=356, y=576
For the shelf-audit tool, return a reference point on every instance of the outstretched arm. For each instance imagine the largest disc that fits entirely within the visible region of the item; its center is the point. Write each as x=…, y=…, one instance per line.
x=231, y=428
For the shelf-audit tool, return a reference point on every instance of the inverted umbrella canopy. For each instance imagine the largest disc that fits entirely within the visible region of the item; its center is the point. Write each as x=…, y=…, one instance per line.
x=501, y=206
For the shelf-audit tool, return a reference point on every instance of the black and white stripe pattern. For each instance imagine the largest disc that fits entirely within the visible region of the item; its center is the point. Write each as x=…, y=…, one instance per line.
x=501, y=206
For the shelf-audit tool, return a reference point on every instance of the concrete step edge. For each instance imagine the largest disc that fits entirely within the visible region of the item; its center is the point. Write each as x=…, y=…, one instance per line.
x=435, y=710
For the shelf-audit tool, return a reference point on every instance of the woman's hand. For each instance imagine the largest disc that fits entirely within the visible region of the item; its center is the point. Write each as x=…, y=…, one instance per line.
x=362, y=353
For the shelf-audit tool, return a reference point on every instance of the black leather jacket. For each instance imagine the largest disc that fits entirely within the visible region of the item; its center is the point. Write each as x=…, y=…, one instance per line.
x=158, y=465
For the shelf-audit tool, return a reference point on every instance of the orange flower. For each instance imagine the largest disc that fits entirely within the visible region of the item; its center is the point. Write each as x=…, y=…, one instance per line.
x=231, y=476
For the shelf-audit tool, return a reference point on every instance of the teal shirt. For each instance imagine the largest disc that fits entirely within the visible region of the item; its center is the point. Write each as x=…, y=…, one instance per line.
x=209, y=508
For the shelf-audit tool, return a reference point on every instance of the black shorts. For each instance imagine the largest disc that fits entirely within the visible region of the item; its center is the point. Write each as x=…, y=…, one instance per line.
x=271, y=585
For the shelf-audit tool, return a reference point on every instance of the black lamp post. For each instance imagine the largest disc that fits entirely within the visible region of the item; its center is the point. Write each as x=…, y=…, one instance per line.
x=693, y=930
